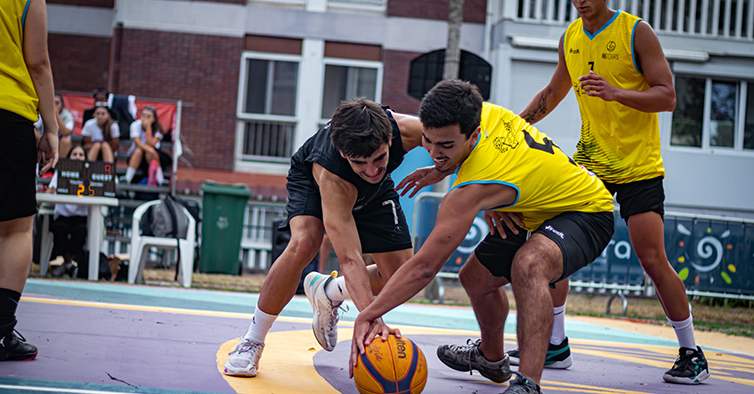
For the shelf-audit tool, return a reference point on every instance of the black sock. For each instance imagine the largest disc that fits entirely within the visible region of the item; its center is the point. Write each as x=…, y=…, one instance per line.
x=8, y=304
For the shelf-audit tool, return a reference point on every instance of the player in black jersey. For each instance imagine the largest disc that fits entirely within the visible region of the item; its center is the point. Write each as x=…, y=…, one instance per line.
x=339, y=181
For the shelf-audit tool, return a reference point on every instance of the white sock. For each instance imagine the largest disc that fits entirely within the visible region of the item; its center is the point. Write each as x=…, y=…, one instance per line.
x=130, y=172
x=558, y=325
x=260, y=325
x=684, y=330
x=336, y=290
x=158, y=175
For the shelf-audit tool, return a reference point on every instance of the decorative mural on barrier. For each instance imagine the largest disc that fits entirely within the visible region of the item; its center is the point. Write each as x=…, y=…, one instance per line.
x=709, y=255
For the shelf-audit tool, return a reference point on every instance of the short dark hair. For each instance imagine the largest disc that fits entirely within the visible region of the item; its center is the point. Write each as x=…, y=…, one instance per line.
x=359, y=127
x=452, y=102
x=100, y=91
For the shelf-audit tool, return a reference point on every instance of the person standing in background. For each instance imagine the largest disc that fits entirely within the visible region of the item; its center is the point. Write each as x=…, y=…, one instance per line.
x=27, y=88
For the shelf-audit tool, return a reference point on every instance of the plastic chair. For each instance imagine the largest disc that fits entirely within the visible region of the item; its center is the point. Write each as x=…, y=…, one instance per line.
x=139, y=243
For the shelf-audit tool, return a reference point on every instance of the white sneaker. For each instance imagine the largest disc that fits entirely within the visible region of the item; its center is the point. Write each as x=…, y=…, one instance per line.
x=244, y=359
x=325, y=319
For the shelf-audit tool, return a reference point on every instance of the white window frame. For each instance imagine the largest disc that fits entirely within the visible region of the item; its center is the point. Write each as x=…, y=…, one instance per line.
x=346, y=5
x=244, y=162
x=329, y=61
x=738, y=138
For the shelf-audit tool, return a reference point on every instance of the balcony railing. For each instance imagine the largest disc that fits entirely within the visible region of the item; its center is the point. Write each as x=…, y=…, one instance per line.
x=268, y=140
x=716, y=18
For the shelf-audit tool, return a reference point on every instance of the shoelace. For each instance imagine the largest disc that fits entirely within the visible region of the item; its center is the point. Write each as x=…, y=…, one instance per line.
x=335, y=312
x=245, y=346
x=473, y=345
x=683, y=361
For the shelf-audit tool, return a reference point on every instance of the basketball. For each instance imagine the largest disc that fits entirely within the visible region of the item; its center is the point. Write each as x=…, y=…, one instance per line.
x=393, y=366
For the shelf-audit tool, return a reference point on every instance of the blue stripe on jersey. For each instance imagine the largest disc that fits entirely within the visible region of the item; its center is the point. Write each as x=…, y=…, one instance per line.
x=591, y=36
x=23, y=17
x=518, y=191
x=633, y=48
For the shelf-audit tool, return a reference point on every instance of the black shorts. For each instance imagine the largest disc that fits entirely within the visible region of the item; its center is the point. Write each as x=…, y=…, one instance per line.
x=18, y=159
x=580, y=236
x=381, y=224
x=639, y=197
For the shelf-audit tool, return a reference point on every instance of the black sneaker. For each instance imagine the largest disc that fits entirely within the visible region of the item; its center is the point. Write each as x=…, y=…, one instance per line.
x=522, y=385
x=466, y=358
x=13, y=346
x=558, y=356
x=690, y=368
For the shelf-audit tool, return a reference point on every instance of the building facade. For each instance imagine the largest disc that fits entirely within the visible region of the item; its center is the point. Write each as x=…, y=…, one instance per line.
x=257, y=78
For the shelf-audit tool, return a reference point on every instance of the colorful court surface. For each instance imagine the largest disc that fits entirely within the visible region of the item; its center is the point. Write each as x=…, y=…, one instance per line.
x=112, y=338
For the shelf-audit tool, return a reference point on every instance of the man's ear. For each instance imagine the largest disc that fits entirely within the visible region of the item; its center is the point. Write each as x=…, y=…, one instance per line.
x=342, y=155
x=475, y=135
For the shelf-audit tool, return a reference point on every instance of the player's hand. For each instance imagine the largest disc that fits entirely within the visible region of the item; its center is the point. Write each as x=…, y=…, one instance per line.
x=48, y=144
x=495, y=220
x=596, y=86
x=420, y=178
x=363, y=333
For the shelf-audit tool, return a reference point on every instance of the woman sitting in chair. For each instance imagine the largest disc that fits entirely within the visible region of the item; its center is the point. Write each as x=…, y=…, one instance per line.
x=69, y=225
x=101, y=136
x=146, y=134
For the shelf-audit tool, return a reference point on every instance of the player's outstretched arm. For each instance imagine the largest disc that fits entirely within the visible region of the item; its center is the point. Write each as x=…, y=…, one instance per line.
x=338, y=199
x=420, y=178
x=660, y=96
x=551, y=95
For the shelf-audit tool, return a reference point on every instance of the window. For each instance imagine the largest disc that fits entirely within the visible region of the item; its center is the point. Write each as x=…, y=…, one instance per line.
x=713, y=114
x=267, y=107
x=344, y=81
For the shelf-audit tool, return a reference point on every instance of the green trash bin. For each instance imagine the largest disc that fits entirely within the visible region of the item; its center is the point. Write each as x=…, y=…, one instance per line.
x=223, y=209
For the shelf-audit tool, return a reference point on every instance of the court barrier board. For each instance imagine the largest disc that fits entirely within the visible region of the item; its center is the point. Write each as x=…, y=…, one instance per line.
x=713, y=255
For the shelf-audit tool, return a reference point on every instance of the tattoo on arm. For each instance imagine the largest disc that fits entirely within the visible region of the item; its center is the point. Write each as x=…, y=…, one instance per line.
x=539, y=111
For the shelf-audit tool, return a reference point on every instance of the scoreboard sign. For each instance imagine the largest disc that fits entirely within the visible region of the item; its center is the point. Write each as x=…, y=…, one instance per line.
x=86, y=178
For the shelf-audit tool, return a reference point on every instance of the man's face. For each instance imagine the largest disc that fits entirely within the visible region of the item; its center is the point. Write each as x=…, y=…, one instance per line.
x=373, y=168
x=587, y=8
x=447, y=146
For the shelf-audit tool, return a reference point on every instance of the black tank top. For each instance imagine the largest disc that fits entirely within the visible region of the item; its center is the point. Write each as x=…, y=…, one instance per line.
x=319, y=149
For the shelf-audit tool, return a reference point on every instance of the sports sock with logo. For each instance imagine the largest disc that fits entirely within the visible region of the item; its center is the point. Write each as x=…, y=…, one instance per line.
x=558, y=325
x=684, y=331
x=8, y=304
x=336, y=290
x=260, y=325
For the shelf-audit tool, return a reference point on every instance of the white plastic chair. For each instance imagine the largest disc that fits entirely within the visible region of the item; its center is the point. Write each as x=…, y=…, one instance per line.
x=139, y=243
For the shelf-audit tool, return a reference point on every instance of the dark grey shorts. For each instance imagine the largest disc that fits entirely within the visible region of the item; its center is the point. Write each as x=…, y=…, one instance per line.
x=639, y=197
x=580, y=236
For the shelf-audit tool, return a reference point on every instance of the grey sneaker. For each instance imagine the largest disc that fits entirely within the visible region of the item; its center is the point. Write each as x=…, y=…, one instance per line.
x=326, y=313
x=467, y=358
x=522, y=385
x=244, y=359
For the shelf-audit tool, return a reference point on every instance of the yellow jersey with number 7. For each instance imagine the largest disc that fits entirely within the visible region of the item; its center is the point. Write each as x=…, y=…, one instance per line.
x=514, y=153
x=618, y=143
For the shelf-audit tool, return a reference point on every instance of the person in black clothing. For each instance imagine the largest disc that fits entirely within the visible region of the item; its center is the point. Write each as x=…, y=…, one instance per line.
x=100, y=100
x=339, y=181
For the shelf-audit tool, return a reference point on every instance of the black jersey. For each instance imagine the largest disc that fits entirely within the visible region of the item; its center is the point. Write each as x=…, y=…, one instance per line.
x=319, y=149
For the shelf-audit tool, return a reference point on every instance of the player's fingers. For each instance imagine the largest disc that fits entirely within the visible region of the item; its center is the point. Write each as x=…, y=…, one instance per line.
x=490, y=224
x=397, y=332
x=509, y=223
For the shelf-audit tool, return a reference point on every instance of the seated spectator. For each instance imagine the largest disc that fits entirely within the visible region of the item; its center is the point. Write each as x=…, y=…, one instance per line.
x=145, y=153
x=100, y=100
x=68, y=226
x=101, y=135
x=65, y=125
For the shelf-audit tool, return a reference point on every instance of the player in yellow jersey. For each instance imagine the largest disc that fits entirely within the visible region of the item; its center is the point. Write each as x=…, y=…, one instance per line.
x=615, y=65
x=26, y=89
x=503, y=163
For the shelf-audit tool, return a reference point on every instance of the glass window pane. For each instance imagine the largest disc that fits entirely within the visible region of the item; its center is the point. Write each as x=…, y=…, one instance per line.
x=723, y=115
x=284, y=88
x=336, y=82
x=689, y=112
x=256, y=86
x=366, y=82
x=749, y=123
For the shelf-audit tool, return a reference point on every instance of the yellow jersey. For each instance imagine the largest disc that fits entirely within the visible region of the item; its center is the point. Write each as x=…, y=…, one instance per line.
x=17, y=93
x=618, y=143
x=514, y=153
